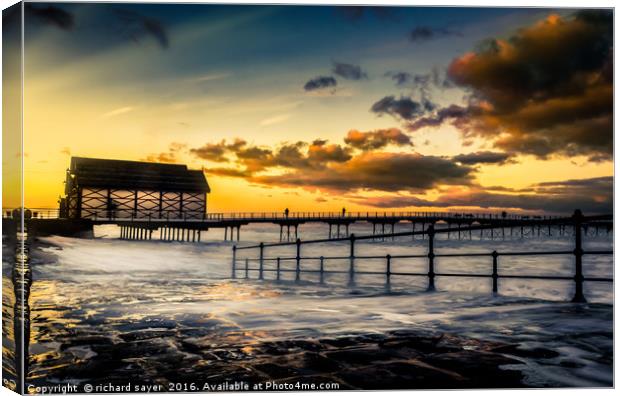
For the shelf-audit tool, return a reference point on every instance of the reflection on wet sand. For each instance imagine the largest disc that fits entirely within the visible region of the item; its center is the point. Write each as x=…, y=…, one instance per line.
x=15, y=306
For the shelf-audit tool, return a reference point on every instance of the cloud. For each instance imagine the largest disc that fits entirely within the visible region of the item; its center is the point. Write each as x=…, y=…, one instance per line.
x=547, y=90
x=592, y=196
x=227, y=172
x=320, y=82
x=50, y=15
x=169, y=157
x=455, y=113
x=275, y=119
x=376, y=171
x=217, y=152
x=211, y=77
x=349, y=71
x=404, y=108
x=400, y=78
x=421, y=83
x=136, y=25
x=482, y=157
x=426, y=33
x=298, y=155
x=334, y=168
x=117, y=112
x=376, y=139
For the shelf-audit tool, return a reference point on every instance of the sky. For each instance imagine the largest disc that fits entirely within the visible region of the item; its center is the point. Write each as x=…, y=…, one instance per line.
x=316, y=108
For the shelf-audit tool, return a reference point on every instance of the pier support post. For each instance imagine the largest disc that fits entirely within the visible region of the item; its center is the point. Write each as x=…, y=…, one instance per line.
x=352, y=260
x=298, y=260
x=234, y=261
x=431, y=258
x=261, y=257
x=578, y=297
x=388, y=270
x=494, y=275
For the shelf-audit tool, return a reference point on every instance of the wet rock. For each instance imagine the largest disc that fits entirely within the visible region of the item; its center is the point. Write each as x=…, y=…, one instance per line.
x=481, y=369
x=359, y=356
x=534, y=353
x=276, y=371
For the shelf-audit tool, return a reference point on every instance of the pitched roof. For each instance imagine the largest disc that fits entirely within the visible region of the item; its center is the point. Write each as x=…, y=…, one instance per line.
x=119, y=174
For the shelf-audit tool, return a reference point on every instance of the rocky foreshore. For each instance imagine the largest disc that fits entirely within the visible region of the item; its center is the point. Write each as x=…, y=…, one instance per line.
x=393, y=360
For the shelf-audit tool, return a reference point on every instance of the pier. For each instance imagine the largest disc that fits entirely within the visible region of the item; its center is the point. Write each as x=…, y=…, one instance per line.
x=189, y=228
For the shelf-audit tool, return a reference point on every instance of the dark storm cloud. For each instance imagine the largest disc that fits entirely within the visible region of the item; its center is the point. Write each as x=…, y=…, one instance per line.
x=320, y=82
x=482, y=157
x=373, y=140
x=136, y=25
x=334, y=168
x=404, y=108
x=592, y=196
x=547, y=90
x=454, y=113
x=349, y=71
x=50, y=15
x=426, y=33
x=376, y=171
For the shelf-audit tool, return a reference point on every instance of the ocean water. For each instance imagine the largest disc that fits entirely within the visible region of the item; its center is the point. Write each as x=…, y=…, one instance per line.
x=85, y=289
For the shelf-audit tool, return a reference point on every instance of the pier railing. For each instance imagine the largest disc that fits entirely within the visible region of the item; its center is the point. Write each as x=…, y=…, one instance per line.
x=242, y=266
x=155, y=214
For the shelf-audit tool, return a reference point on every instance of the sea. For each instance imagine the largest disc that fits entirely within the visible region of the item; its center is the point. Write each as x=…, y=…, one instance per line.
x=106, y=289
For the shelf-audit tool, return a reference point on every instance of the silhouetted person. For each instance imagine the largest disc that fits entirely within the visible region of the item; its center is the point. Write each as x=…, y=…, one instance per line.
x=286, y=212
x=343, y=211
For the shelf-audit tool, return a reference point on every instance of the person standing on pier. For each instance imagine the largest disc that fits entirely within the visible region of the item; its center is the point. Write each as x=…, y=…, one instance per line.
x=286, y=211
x=344, y=211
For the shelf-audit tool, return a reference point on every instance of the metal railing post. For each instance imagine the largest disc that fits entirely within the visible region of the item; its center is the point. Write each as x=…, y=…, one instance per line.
x=431, y=258
x=260, y=260
x=298, y=260
x=578, y=297
x=495, y=275
x=234, y=261
x=352, y=260
x=278, y=269
x=246, y=269
x=321, y=270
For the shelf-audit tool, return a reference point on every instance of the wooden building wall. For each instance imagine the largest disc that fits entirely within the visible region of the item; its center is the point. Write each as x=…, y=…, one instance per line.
x=100, y=203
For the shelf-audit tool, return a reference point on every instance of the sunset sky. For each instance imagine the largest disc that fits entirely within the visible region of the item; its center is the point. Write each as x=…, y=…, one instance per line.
x=316, y=108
